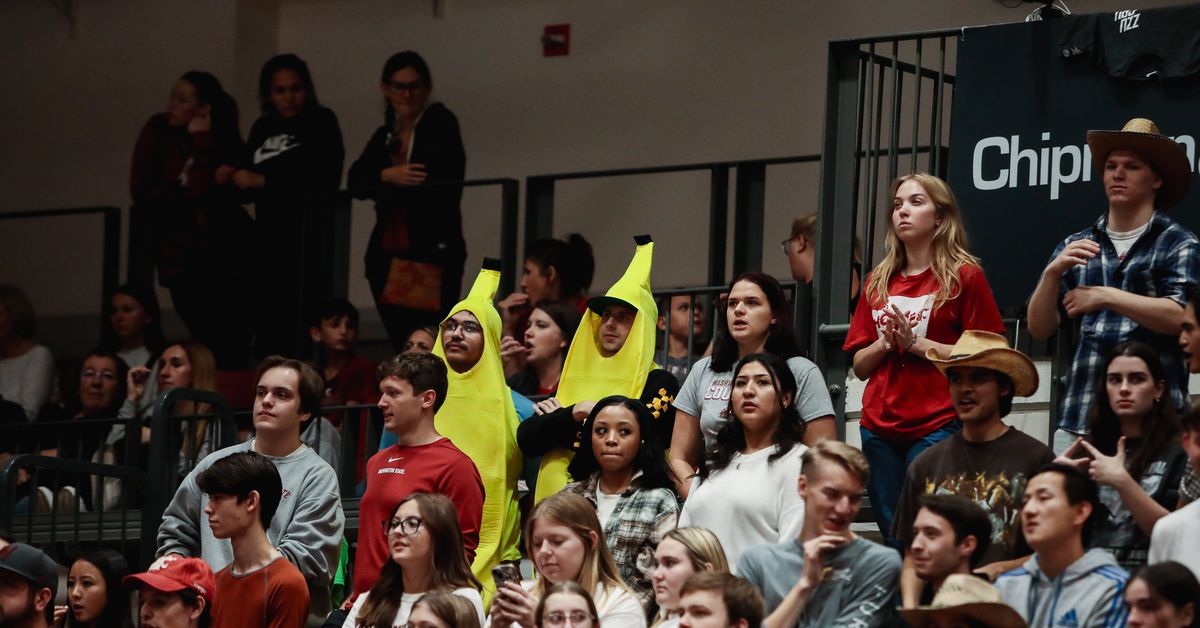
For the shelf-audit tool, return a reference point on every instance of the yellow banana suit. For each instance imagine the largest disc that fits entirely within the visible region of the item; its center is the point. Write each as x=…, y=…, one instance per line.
x=589, y=376
x=479, y=418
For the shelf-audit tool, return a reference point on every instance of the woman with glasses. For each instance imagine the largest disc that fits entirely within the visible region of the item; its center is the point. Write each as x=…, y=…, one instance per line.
x=564, y=539
x=426, y=547
x=566, y=604
x=414, y=259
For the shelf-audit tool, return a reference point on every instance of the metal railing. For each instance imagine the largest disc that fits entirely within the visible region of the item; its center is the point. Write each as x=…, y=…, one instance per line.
x=59, y=505
x=749, y=202
x=110, y=239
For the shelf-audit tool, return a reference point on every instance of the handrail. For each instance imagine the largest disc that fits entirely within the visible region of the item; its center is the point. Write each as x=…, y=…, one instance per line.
x=94, y=521
x=141, y=264
x=111, y=241
x=749, y=202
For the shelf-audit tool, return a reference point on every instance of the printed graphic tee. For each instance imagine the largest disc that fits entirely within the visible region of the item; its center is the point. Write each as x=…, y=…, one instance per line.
x=907, y=397
x=991, y=474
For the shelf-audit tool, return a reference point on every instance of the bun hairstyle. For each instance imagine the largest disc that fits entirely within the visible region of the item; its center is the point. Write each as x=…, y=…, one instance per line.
x=571, y=258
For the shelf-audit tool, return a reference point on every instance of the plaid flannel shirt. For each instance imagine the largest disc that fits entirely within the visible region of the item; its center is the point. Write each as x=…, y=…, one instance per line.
x=639, y=521
x=1159, y=264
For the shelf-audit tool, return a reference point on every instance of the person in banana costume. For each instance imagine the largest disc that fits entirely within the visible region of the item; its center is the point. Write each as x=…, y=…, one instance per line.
x=612, y=353
x=480, y=419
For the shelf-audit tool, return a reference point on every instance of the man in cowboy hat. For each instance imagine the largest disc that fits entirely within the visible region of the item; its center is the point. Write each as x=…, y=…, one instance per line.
x=965, y=600
x=1123, y=277
x=988, y=461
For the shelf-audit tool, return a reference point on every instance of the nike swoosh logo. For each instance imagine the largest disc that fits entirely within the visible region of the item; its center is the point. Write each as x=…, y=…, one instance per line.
x=273, y=148
x=395, y=459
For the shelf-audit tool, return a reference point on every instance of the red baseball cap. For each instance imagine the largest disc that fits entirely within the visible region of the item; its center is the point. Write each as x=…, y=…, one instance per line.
x=173, y=573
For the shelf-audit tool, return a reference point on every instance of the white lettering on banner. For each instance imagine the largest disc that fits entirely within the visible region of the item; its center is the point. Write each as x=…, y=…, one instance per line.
x=1127, y=20
x=1052, y=166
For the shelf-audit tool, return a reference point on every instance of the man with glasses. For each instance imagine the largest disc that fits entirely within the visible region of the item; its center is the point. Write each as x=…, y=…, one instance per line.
x=412, y=390
x=308, y=523
x=260, y=588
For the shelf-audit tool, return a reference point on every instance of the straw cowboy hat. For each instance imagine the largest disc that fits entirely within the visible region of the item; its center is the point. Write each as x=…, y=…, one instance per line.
x=983, y=349
x=966, y=596
x=1143, y=137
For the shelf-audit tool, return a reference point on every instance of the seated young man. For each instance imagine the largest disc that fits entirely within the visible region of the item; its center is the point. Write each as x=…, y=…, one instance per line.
x=28, y=585
x=308, y=524
x=949, y=536
x=412, y=389
x=612, y=353
x=1061, y=584
x=1176, y=535
x=260, y=587
x=829, y=575
x=715, y=599
x=988, y=461
x=177, y=592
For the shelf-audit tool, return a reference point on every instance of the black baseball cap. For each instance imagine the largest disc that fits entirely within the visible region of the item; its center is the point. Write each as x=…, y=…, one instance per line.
x=30, y=563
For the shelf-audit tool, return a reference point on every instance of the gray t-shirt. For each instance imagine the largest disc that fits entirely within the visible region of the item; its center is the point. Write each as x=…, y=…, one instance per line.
x=705, y=394
x=861, y=580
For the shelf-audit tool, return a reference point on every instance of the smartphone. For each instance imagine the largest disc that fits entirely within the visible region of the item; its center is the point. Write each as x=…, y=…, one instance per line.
x=140, y=377
x=505, y=573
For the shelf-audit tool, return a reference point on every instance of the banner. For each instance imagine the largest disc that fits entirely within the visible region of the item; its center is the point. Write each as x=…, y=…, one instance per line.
x=1025, y=98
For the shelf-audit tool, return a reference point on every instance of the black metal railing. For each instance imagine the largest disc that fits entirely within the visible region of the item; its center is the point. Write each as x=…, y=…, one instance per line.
x=749, y=202
x=110, y=240
x=60, y=505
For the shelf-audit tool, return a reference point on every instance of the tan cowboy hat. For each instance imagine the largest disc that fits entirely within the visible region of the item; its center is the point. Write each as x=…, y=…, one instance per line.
x=966, y=596
x=1143, y=137
x=983, y=349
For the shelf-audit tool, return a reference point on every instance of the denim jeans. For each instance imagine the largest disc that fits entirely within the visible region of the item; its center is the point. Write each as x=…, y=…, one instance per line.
x=889, y=465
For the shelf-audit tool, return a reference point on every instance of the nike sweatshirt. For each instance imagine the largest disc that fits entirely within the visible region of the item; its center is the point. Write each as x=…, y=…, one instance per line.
x=1088, y=593
x=307, y=527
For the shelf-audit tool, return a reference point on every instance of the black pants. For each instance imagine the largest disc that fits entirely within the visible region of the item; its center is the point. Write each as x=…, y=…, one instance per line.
x=216, y=312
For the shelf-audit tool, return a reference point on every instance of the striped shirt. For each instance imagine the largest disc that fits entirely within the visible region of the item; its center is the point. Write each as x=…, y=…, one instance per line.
x=1159, y=264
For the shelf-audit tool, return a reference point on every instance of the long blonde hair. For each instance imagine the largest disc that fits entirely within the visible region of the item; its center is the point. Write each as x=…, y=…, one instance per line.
x=577, y=513
x=702, y=546
x=948, y=251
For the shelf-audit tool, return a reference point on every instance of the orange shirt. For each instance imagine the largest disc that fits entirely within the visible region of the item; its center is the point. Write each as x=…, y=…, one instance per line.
x=275, y=596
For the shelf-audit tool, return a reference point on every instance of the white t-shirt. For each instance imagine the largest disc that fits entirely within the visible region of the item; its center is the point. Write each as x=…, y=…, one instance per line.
x=1124, y=240
x=605, y=505
x=27, y=379
x=1175, y=537
x=135, y=357
x=749, y=502
x=406, y=604
x=705, y=395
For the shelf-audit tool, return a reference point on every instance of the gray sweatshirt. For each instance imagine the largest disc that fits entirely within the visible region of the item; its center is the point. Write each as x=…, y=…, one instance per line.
x=307, y=527
x=1089, y=593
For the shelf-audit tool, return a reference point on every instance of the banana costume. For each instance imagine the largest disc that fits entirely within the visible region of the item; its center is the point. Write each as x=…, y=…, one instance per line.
x=479, y=418
x=589, y=376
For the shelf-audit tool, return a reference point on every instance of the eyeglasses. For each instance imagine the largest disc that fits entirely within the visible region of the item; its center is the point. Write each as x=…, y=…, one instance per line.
x=467, y=327
x=575, y=618
x=408, y=526
x=397, y=86
x=786, y=244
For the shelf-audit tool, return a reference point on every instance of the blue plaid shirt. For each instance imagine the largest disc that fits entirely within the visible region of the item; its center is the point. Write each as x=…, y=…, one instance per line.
x=1159, y=264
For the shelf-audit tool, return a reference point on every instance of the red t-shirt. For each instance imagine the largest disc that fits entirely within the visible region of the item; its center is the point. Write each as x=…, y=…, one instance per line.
x=275, y=596
x=395, y=473
x=355, y=382
x=907, y=397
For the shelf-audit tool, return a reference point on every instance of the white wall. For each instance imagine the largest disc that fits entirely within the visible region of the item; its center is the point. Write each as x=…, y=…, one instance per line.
x=647, y=83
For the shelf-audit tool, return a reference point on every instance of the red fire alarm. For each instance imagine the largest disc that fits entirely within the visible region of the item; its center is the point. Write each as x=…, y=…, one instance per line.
x=556, y=40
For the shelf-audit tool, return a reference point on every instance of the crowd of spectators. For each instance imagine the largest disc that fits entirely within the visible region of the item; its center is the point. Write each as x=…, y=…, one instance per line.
x=667, y=483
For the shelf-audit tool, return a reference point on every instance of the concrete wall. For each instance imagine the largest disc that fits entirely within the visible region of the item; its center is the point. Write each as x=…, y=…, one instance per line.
x=647, y=83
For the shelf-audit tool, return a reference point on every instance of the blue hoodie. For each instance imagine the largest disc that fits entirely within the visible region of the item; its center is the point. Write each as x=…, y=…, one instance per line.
x=1088, y=593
